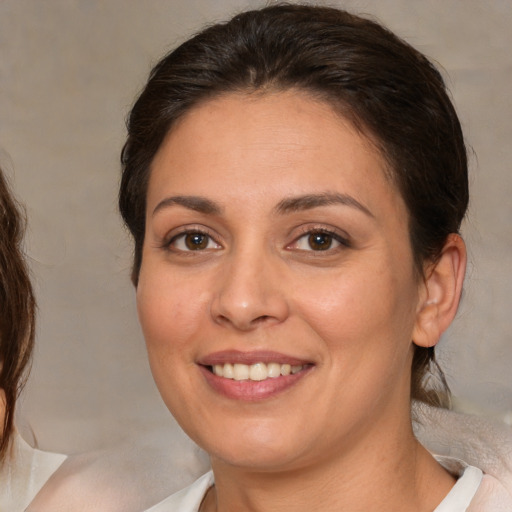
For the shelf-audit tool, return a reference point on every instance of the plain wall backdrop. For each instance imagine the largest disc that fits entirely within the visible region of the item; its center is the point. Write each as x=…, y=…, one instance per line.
x=69, y=71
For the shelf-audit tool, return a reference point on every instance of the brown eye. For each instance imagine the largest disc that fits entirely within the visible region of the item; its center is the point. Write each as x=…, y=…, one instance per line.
x=193, y=241
x=320, y=241
x=196, y=241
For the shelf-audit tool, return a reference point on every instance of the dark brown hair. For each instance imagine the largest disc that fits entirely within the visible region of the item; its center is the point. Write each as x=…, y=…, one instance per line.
x=391, y=92
x=17, y=309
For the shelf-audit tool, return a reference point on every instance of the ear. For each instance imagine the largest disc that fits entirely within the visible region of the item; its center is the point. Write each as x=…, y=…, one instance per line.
x=440, y=293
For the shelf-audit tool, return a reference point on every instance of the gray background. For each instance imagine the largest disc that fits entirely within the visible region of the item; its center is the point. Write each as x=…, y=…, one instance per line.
x=69, y=70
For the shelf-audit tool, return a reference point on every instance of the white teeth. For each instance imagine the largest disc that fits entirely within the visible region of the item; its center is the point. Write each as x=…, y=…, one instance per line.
x=228, y=371
x=255, y=372
x=241, y=371
x=273, y=370
x=258, y=371
x=286, y=369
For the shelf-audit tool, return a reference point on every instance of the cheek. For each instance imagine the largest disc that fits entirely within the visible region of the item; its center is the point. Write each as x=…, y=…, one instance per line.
x=359, y=309
x=169, y=312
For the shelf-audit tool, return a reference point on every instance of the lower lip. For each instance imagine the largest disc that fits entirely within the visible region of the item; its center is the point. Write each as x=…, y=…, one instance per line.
x=251, y=390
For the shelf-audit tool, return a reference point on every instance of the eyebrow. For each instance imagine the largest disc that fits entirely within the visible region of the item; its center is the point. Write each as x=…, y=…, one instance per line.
x=291, y=204
x=309, y=201
x=196, y=203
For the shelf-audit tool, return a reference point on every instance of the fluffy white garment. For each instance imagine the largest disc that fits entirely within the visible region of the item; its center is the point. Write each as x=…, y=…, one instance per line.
x=477, y=441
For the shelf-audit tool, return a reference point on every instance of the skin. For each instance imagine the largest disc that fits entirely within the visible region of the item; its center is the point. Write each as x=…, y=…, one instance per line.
x=2, y=407
x=343, y=427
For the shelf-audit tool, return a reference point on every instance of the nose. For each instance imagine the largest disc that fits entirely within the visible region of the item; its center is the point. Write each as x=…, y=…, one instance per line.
x=250, y=293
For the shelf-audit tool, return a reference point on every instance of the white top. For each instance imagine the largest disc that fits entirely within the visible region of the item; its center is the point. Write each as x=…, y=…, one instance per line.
x=457, y=500
x=22, y=480
x=462, y=493
x=124, y=478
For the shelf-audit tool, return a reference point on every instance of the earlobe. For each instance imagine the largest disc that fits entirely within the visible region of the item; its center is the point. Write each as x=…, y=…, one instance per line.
x=440, y=293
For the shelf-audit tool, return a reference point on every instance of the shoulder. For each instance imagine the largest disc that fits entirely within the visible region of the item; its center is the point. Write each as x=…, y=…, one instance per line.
x=24, y=473
x=491, y=496
x=126, y=478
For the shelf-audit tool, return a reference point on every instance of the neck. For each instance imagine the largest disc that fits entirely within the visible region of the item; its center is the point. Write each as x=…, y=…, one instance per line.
x=382, y=470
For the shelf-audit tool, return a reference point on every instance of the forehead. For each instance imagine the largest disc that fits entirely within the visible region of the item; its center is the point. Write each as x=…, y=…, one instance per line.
x=254, y=144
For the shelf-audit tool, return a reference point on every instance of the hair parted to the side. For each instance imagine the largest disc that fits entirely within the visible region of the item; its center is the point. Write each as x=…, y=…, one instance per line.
x=391, y=93
x=17, y=309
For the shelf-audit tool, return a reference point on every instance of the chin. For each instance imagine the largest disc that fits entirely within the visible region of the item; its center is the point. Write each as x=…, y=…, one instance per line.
x=260, y=459
x=257, y=445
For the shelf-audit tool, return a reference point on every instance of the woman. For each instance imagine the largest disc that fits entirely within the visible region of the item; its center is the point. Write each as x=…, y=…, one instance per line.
x=23, y=470
x=295, y=181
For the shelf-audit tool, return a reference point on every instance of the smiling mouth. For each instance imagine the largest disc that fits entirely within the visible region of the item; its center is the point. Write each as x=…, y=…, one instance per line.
x=253, y=376
x=255, y=372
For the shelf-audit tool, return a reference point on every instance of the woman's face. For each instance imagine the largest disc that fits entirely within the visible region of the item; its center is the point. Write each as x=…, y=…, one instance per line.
x=277, y=291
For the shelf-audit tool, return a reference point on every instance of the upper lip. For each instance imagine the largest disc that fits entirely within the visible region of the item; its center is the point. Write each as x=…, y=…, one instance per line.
x=253, y=357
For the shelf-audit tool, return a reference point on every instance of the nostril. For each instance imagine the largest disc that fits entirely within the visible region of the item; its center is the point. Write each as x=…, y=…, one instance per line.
x=221, y=319
x=244, y=325
x=247, y=312
x=261, y=319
